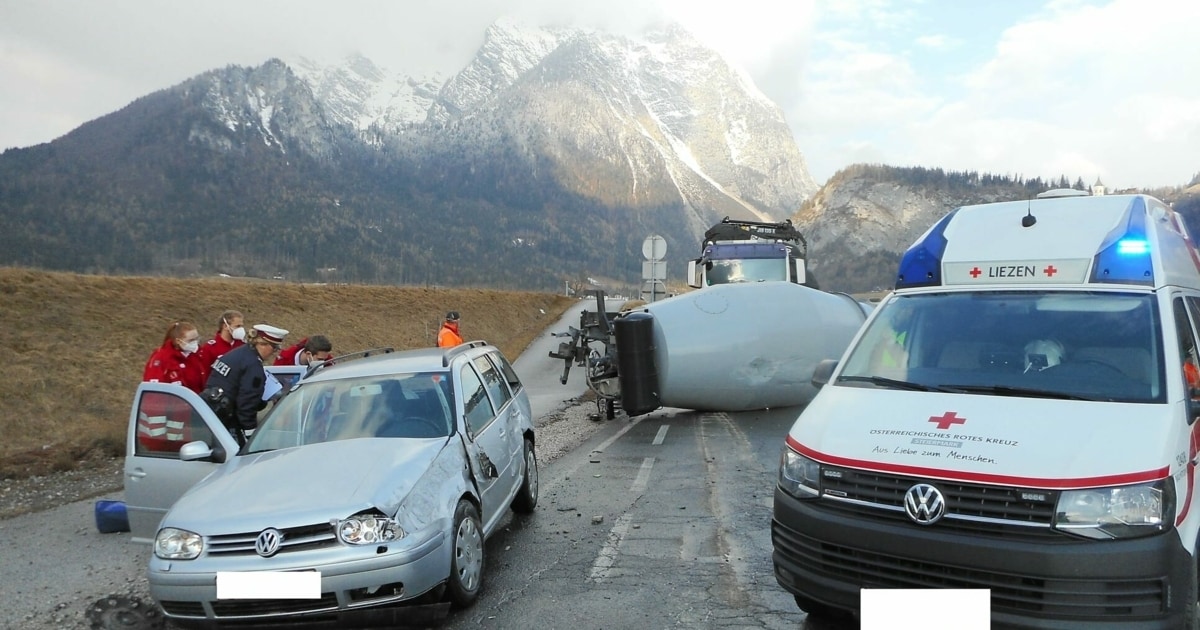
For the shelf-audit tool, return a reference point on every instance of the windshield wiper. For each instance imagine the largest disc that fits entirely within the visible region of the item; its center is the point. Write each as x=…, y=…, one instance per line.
x=892, y=383
x=1006, y=390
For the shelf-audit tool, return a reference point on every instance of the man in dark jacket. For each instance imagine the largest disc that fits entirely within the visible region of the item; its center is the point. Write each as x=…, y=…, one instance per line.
x=239, y=381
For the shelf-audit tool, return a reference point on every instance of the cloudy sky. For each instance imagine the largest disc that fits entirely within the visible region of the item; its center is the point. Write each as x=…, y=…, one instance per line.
x=1082, y=88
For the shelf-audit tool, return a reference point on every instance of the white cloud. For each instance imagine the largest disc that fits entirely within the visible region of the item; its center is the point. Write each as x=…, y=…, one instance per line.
x=1105, y=86
x=1075, y=89
x=938, y=42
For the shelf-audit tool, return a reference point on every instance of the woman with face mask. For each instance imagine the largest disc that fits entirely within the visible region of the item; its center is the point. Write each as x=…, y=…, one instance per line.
x=177, y=360
x=230, y=334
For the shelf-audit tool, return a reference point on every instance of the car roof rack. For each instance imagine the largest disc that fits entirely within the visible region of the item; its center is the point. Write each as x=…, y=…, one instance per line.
x=362, y=354
x=459, y=349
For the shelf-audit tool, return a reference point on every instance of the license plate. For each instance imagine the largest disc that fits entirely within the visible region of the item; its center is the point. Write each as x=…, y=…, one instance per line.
x=268, y=585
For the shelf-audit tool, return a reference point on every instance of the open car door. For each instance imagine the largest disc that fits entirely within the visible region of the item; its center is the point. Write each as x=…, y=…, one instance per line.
x=165, y=417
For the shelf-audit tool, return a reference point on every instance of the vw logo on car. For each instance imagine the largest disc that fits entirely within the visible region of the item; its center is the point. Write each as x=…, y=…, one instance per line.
x=924, y=504
x=267, y=543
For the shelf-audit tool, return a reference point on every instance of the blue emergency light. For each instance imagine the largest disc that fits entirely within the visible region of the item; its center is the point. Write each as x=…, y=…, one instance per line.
x=1124, y=256
x=921, y=265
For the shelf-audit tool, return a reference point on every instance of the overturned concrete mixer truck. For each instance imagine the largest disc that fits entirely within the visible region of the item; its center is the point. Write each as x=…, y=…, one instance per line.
x=747, y=338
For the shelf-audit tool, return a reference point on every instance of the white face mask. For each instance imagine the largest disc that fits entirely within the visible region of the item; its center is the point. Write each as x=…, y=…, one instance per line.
x=190, y=347
x=238, y=333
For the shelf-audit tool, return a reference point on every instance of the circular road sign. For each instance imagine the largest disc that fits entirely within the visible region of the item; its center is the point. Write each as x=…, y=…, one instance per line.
x=654, y=247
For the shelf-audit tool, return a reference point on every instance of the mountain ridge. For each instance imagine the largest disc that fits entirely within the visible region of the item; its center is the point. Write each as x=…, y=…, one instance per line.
x=576, y=147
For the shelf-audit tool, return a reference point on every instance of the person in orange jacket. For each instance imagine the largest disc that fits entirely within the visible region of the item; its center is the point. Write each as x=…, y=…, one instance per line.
x=177, y=360
x=448, y=336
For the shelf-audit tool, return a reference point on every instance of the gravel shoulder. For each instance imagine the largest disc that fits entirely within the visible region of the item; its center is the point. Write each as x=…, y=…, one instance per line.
x=56, y=565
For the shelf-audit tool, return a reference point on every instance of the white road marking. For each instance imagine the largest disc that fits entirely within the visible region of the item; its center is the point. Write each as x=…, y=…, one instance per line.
x=602, y=567
x=662, y=433
x=643, y=476
x=605, y=444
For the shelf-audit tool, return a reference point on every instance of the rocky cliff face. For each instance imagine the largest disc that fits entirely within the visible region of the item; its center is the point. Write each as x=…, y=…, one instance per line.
x=659, y=121
x=861, y=222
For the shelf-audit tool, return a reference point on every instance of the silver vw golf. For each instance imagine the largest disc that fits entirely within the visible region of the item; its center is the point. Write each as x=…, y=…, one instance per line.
x=373, y=482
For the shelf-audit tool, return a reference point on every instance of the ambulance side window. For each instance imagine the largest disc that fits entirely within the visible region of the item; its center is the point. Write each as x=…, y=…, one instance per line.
x=1187, y=342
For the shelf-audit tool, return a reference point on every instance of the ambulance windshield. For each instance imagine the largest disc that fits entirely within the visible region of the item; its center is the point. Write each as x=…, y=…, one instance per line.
x=1055, y=344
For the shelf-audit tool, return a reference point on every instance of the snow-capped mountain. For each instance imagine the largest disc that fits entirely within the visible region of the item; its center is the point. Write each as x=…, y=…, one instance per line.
x=663, y=120
x=553, y=153
x=369, y=99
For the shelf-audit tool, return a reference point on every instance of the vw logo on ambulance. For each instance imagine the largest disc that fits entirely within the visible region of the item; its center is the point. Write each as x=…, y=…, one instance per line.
x=924, y=504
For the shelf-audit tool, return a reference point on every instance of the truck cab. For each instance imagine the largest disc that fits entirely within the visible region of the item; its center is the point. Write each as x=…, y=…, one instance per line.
x=751, y=251
x=1019, y=416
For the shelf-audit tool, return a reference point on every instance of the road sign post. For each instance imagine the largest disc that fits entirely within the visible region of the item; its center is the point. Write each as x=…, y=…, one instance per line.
x=654, y=268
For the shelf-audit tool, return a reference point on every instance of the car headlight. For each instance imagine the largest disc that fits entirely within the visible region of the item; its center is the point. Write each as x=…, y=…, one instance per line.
x=1121, y=512
x=177, y=544
x=799, y=476
x=368, y=529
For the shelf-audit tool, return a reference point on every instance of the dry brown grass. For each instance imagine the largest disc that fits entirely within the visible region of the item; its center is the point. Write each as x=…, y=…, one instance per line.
x=75, y=345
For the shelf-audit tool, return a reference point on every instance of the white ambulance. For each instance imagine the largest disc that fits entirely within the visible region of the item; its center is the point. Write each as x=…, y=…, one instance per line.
x=1018, y=416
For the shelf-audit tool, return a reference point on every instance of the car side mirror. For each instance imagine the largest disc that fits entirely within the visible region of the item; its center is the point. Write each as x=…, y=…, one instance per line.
x=193, y=451
x=823, y=372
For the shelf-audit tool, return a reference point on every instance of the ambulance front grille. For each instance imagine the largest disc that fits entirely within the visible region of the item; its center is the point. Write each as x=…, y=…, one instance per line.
x=1059, y=598
x=1003, y=511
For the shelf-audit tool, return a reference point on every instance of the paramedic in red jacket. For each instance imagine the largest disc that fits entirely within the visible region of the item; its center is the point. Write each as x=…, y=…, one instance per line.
x=230, y=334
x=177, y=359
x=314, y=348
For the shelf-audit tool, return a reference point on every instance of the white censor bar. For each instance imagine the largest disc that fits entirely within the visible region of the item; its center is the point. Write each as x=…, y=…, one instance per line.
x=268, y=585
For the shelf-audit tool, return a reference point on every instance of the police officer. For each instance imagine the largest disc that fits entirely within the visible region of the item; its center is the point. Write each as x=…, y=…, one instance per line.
x=241, y=380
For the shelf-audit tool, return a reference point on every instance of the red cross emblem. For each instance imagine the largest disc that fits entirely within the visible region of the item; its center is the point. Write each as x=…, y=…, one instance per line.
x=947, y=419
x=1050, y=271
x=975, y=272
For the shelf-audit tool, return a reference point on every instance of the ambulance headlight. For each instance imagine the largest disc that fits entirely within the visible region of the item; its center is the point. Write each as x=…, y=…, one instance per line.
x=799, y=476
x=1121, y=512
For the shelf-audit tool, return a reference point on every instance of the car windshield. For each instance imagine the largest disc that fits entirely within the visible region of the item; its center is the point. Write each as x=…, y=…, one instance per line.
x=418, y=405
x=1046, y=344
x=746, y=270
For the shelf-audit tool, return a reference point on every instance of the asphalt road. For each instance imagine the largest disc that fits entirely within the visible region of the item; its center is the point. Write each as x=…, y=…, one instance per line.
x=542, y=375
x=662, y=521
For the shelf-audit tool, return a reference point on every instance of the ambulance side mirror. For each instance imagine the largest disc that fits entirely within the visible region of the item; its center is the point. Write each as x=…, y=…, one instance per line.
x=823, y=372
x=1193, y=406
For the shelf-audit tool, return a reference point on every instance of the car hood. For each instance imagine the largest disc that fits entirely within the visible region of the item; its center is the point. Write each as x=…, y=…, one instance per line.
x=306, y=485
x=1030, y=442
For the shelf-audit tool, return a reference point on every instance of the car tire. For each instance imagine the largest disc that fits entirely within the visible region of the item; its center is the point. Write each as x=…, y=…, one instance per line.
x=527, y=495
x=466, y=560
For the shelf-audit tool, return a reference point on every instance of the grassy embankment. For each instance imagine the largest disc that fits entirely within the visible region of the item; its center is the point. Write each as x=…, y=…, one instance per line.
x=74, y=346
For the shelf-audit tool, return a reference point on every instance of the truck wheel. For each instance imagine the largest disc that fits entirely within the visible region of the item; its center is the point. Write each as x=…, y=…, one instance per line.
x=817, y=609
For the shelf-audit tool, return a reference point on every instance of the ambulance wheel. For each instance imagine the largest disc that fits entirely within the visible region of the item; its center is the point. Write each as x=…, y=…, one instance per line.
x=817, y=609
